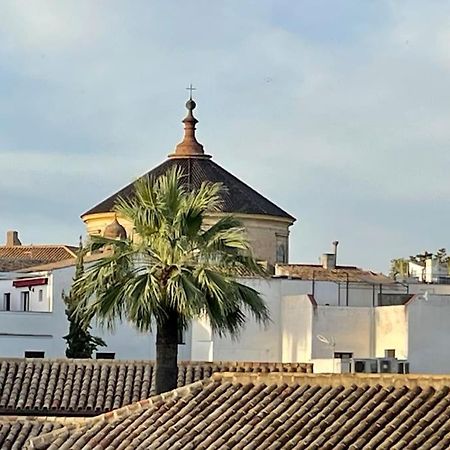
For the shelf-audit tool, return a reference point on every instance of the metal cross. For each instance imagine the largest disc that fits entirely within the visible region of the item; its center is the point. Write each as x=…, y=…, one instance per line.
x=190, y=88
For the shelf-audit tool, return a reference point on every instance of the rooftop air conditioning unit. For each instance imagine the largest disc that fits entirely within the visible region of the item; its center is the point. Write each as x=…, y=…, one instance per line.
x=363, y=365
x=386, y=365
x=378, y=365
x=403, y=367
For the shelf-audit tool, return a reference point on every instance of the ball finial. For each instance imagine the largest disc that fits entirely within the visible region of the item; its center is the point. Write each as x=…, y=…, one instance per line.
x=190, y=104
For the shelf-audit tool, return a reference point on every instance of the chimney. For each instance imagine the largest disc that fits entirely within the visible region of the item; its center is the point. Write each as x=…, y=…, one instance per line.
x=328, y=261
x=12, y=239
x=335, y=245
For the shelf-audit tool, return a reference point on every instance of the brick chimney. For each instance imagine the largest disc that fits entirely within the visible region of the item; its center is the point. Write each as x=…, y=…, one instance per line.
x=12, y=239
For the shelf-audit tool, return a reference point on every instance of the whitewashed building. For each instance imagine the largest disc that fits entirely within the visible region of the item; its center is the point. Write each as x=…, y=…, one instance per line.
x=321, y=318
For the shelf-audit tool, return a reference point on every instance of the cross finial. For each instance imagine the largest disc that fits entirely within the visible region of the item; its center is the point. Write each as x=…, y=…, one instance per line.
x=190, y=88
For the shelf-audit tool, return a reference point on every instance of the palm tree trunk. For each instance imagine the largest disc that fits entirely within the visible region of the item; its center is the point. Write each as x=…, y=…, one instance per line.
x=166, y=354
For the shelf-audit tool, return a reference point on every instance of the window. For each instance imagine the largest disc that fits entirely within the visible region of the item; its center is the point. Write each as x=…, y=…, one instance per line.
x=389, y=353
x=25, y=297
x=105, y=355
x=34, y=354
x=7, y=301
x=343, y=355
x=281, y=254
x=41, y=295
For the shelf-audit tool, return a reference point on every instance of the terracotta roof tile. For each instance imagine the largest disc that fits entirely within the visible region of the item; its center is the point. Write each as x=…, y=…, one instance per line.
x=341, y=273
x=16, y=431
x=23, y=256
x=90, y=387
x=275, y=412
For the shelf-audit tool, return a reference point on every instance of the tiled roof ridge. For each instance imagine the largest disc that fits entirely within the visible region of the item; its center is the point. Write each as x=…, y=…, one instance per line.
x=68, y=246
x=320, y=266
x=336, y=379
x=66, y=420
x=233, y=363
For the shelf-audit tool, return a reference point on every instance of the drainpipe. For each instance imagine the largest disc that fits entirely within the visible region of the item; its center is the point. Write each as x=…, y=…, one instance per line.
x=346, y=292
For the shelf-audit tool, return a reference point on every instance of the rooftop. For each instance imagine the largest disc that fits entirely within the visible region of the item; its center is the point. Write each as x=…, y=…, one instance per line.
x=339, y=274
x=275, y=412
x=15, y=256
x=89, y=387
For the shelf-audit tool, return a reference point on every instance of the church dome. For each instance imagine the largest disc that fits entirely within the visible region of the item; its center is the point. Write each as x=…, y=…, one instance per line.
x=198, y=167
x=267, y=225
x=115, y=230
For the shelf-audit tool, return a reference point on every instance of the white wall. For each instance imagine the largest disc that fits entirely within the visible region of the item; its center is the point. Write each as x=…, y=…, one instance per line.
x=429, y=334
x=391, y=325
x=349, y=328
x=40, y=329
x=296, y=322
x=256, y=342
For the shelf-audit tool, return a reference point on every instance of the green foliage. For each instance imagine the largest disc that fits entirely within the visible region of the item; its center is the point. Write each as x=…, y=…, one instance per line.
x=80, y=342
x=441, y=256
x=399, y=268
x=177, y=264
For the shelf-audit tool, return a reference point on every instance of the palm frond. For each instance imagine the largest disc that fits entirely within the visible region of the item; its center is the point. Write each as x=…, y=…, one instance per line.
x=176, y=263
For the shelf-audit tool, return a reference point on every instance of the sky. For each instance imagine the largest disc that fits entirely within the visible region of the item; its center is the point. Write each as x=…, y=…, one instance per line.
x=336, y=110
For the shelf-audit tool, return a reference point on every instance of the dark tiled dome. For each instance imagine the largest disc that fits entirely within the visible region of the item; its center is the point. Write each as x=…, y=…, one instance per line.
x=198, y=168
x=237, y=198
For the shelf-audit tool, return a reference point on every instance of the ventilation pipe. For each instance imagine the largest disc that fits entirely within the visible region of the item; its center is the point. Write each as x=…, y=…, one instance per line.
x=335, y=245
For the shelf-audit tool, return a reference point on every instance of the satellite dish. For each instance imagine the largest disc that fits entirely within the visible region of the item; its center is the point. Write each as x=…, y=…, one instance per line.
x=323, y=339
x=328, y=341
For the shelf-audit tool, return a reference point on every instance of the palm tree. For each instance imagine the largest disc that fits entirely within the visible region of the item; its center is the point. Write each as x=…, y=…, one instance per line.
x=175, y=270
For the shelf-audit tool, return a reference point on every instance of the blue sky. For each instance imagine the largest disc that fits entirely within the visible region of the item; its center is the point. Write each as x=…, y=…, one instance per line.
x=336, y=110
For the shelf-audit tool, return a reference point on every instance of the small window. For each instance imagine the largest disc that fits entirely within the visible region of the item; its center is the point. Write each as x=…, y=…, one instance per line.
x=389, y=353
x=25, y=297
x=281, y=253
x=41, y=295
x=105, y=355
x=343, y=355
x=33, y=354
x=7, y=301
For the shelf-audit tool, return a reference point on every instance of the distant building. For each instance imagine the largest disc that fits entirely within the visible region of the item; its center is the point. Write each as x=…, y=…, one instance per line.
x=15, y=256
x=360, y=314
x=423, y=268
x=430, y=271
